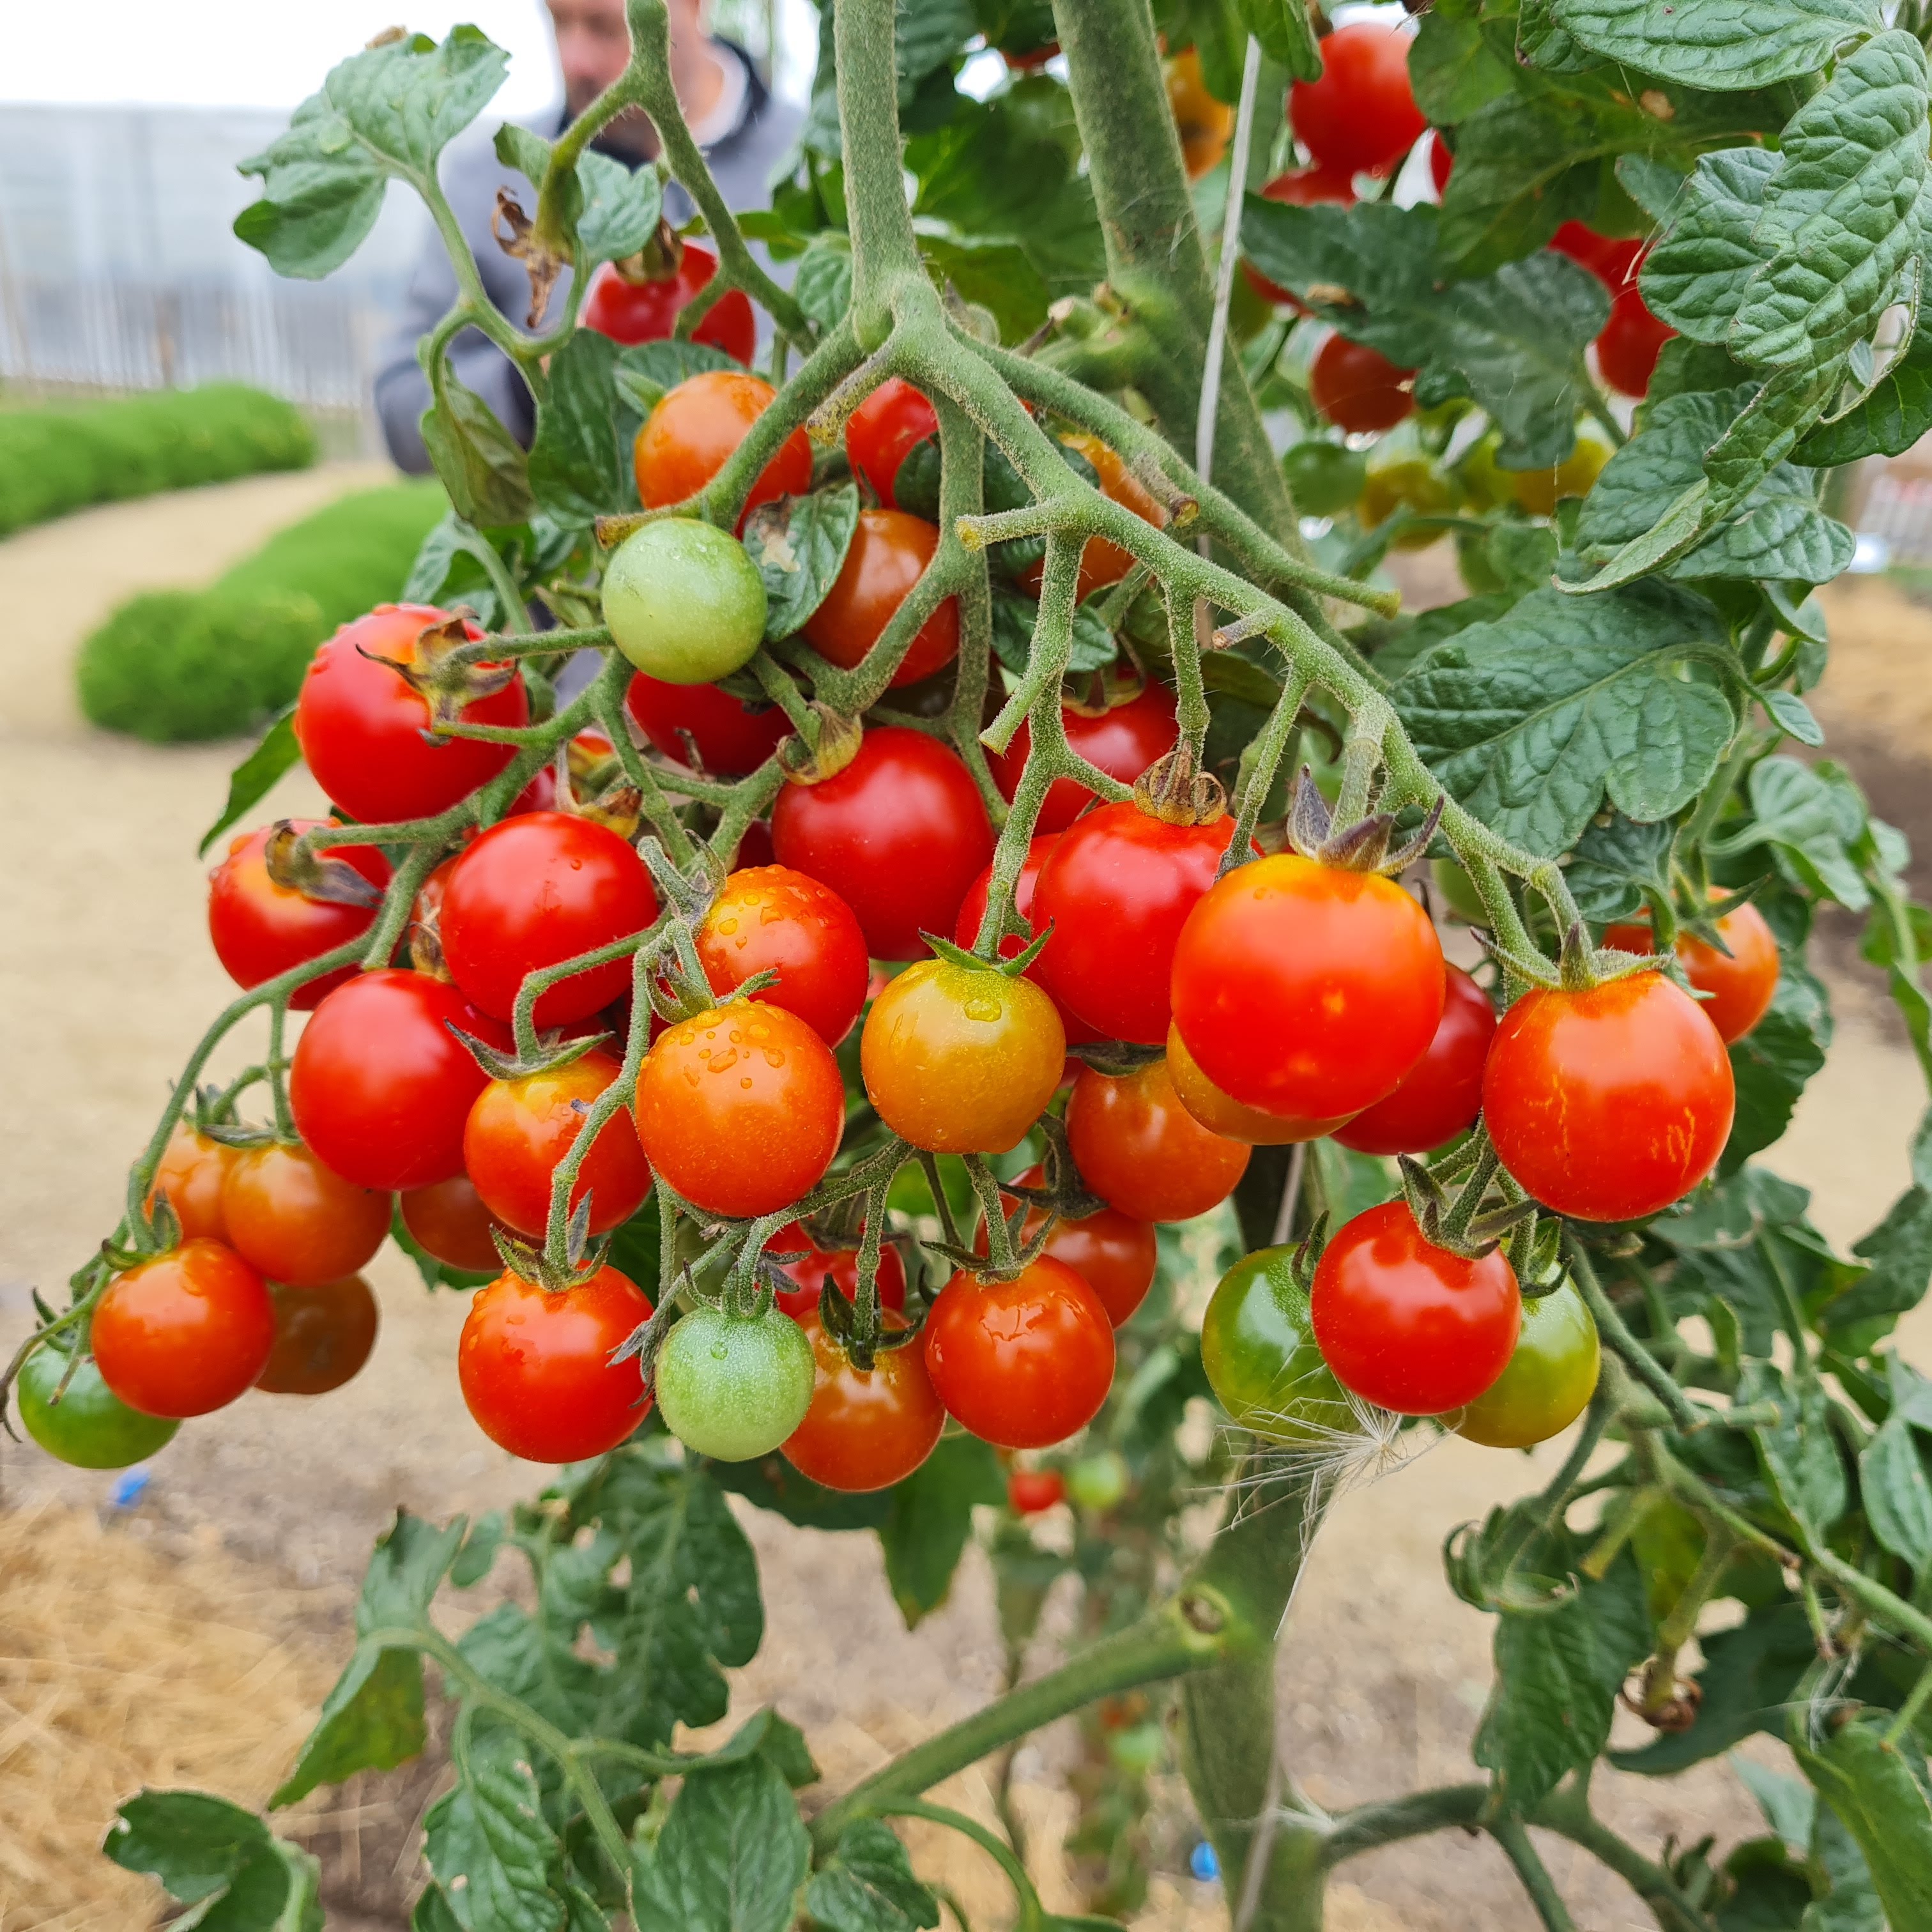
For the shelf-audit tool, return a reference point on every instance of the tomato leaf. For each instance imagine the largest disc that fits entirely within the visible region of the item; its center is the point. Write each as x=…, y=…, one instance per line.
x=1811, y=816
x=1900, y=1251
x=1774, y=1062
x=1896, y=1496
x=1695, y=276
x=1013, y=617
x=481, y=463
x=799, y=544
x=1723, y=43
x=1616, y=864
x=731, y=1857
x=867, y=1885
x=822, y=283
x=1881, y=1800
x=932, y=1517
x=487, y=1840
x=1887, y=422
x=255, y=776
x=580, y=463
x=209, y=1853
x=1800, y=1453
x=1523, y=167
x=1285, y=33
x=1534, y=720
x=388, y=111
x=619, y=211
x=1453, y=68
x=646, y=369
x=774, y=1484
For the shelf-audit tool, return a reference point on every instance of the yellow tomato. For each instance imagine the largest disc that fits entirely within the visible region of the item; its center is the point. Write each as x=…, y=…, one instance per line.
x=1540, y=491
x=1205, y=123
x=1409, y=483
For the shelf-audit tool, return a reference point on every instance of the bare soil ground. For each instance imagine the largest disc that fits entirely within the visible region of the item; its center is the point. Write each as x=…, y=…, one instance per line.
x=268, y=1510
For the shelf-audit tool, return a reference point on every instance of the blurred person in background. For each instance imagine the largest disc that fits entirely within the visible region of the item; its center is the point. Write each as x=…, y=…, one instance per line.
x=744, y=130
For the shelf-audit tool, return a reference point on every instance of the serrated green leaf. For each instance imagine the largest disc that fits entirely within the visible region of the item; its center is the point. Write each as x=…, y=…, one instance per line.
x=1453, y=69
x=1888, y=422
x=1695, y=276
x=480, y=463
x=867, y=1885
x=1720, y=43
x=487, y=1840
x=1900, y=1251
x=1614, y=864
x=1800, y=1452
x=822, y=284
x=372, y=1720
x=932, y=1517
x=1094, y=647
x=646, y=369
x=433, y=1913
x=620, y=211
x=1523, y=167
x=213, y=1855
x=1793, y=716
x=580, y=463
x=257, y=774
x=1810, y=816
x=1535, y=720
x=1852, y=1904
x=1773, y=1063
x=532, y=1657
x=1896, y=1496
x=1285, y=33
x=1868, y=1783
x=799, y=544
x=1790, y=1808
x=731, y=1857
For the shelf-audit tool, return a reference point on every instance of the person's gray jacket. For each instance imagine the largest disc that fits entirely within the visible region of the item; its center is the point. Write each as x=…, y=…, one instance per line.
x=742, y=163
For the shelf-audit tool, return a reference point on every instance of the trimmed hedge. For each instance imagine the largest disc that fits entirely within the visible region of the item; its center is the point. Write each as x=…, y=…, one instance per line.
x=178, y=665
x=52, y=461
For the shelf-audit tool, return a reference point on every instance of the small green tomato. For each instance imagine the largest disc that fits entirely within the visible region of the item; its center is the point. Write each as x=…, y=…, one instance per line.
x=1097, y=1483
x=1548, y=1380
x=684, y=601
x=733, y=1387
x=1257, y=1348
x=90, y=1427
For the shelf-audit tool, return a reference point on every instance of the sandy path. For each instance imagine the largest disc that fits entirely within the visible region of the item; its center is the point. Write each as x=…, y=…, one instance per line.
x=105, y=979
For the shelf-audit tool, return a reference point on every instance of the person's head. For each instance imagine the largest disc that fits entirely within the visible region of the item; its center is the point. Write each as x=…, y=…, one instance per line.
x=593, y=43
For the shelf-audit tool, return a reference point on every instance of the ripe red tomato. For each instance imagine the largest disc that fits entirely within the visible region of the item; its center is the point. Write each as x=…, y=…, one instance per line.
x=1034, y=1491
x=1632, y=340
x=961, y=1059
x=449, y=1222
x=693, y=431
x=1122, y=741
x=362, y=728
x=298, y=1221
x=1220, y=1113
x=1608, y=1105
x=381, y=1087
x=1358, y=389
x=841, y=1265
x=730, y=737
x=1113, y=1254
x=1408, y=1325
x=1614, y=262
x=1307, y=991
x=898, y=835
x=883, y=431
x=647, y=311
x=536, y=1368
x=770, y=919
x=519, y=1130
x=1102, y=561
x=1442, y=1094
x=1300, y=187
x=972, y=909
x=866, y=1429
x=1117, y=888
x=323, y=1335
x=1739, y=984
x=889, y=553
x=1022, y=1363
x=190, y=1173
x=260, y=929
x=1359, y=116
x=532, y=892
x=1142, y=1152
x=1441, y=162
x=741, y=1109
x=184, y=1333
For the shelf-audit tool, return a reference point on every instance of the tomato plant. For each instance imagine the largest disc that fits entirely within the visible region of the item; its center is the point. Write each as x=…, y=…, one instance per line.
x=1142, y=1152
x=629, y=306
x=816, y=1265
x=684, y=603
x=296, y=1220
x=686, y=439
x=888, y=554
x=884, y=430
x=768, y=919
x=1360, y=116
x=1738, y=978
x=729, y=736
x=1259, y=1351
x=184, y=1333
x=1121, y=740
x=1442, y=1094
x=734, y=1386
x=90, y=1427
x=1550, y=1376
x=867, y=1429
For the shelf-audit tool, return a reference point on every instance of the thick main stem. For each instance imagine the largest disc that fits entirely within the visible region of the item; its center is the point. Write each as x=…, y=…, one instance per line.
x=882, y=247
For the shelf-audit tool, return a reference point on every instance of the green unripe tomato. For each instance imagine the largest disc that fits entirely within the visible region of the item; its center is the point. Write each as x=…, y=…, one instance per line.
x=1458, y=890
x=1258, y=1347
x=1486, y=484
x=1323, y=477
x=733, y=1387
x=90, y=1427
x=1097, y=1483
x=684, y=601
x=1548, y=1380
x=1138, y=1750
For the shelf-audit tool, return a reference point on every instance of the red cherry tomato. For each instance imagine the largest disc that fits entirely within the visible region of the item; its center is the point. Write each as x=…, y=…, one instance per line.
x=647, y=311
x=449, y=1222
x=532, y=892
x=519, y=1130
x=1632, y=340
x=693, y=431
x=770, y=919
x=884, y=430
x=898, y=835
x=586, y=752
x=866, y=1429
x=1034, y=1491
x=362, y=728
x=1118, y=888
x=1143, y=1153
x=1113, y=1254
x=841, y=1265
x=323, y=1335
x=1608, y=1105
x=1612, y=262
x=184, y=1334
x=889, y=553
x=1408, y=1325
x=298, y=1221
x=1356, y=387
x=1122, y=742
x=192, y=1170
x=1305, y=990
x=741, y=1109
x=1022, y=1363
x=381, y=1087
x=260, y=929
x=731, y=737
x=1739, y=984
x=1441, y=161
x=972, y=909
x=1442, y=1094
x=536, y=1368
x=1301, y=188
x=1359, y=116
x=1102, y=561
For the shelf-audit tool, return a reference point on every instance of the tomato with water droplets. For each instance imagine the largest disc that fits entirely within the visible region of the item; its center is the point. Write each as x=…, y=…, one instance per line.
x=770, y=919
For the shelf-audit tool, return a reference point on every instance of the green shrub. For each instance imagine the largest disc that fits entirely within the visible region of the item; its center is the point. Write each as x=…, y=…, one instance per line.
x=175, y=665
x=53, y=460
